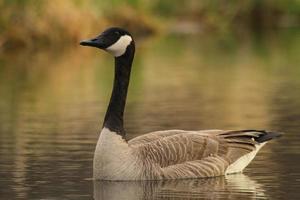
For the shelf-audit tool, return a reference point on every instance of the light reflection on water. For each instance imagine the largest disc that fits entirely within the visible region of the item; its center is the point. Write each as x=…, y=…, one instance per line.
x=52, y=105
x=229, y=187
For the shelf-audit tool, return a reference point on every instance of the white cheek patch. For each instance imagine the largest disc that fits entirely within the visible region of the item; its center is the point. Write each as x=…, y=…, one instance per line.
x=118, y=48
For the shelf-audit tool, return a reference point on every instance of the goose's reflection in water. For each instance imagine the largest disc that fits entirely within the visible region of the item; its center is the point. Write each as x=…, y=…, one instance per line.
x=227, y=187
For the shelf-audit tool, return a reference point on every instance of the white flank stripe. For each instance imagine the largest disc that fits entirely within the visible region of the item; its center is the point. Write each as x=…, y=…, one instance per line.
x=242, y=162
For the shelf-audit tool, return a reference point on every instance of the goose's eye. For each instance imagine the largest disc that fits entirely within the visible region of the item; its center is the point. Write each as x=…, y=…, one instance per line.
x=117, y=33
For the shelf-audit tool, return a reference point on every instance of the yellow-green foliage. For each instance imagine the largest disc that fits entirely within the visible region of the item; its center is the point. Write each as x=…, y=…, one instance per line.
x=25, y=22
x=31, y=22
x=28, y=22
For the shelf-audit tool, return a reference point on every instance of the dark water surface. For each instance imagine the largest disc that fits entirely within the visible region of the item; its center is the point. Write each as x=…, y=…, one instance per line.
x=52, y=106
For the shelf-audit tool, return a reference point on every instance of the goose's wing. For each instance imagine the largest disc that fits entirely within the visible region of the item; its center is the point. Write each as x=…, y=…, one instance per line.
x=191, y=154
x=153, y=136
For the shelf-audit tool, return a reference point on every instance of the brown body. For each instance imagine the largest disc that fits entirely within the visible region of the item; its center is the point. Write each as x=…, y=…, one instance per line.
x=176, y=154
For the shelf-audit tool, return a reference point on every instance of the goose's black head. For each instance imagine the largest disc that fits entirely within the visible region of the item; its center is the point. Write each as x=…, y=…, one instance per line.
x=113, y=40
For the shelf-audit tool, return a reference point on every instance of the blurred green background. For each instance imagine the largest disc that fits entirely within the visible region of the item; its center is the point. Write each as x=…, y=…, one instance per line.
x=39, y=22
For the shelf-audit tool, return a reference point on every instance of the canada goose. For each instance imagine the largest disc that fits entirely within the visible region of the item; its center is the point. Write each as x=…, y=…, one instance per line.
x=171, y=154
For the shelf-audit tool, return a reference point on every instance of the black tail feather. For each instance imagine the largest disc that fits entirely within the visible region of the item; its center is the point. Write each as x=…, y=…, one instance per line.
x=266, y=136
x=259, y=136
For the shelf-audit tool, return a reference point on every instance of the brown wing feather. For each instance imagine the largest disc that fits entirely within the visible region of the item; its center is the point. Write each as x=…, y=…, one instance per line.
x=151, y=137
x=179, y=148
x=194, y=153
x=206, y=167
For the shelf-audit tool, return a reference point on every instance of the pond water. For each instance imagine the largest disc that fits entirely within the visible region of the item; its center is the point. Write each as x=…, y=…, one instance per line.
x=52, y=105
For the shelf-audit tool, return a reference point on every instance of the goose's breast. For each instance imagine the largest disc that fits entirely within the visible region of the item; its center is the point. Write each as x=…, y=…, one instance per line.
x=114, y=159
x=122, y=166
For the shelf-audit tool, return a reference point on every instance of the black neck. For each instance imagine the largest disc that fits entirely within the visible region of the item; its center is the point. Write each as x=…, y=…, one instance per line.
x=114, y=115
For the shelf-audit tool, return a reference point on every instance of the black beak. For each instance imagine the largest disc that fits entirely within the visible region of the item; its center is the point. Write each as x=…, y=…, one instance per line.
x=96, y=42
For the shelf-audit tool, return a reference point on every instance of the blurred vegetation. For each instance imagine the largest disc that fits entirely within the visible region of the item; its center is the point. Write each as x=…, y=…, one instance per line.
x=26, y=23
